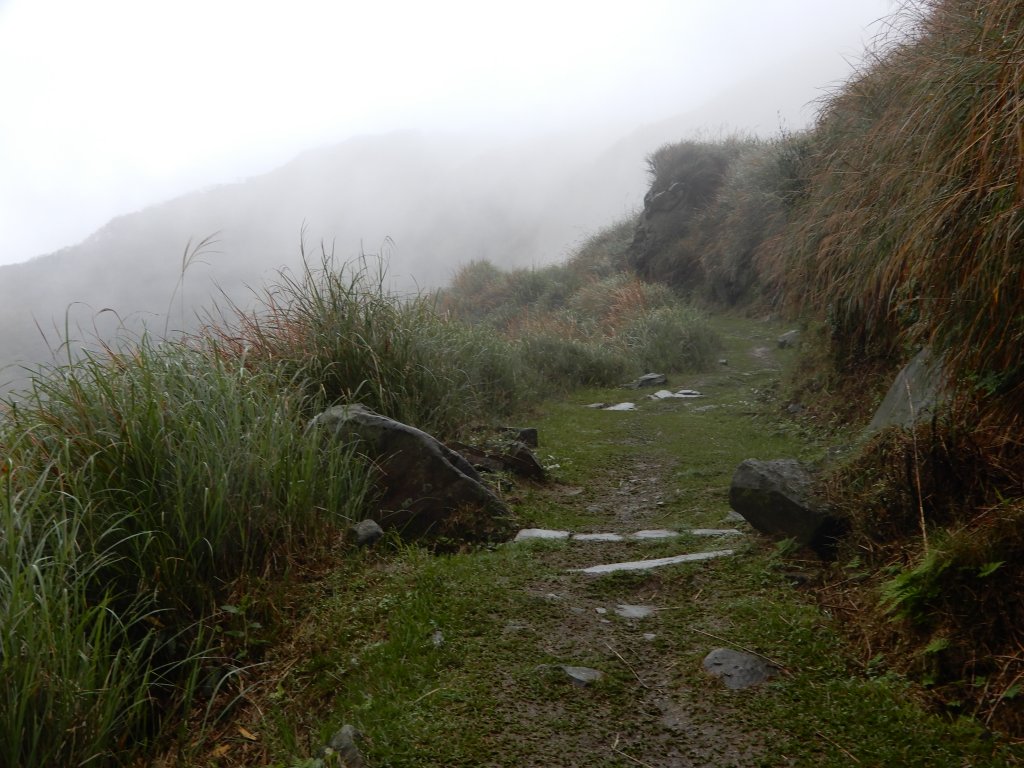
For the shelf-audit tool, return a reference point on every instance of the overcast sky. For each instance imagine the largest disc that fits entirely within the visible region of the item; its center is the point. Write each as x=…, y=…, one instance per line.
x=110, y=105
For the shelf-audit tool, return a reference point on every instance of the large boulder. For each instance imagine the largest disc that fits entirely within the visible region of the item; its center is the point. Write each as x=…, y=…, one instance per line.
x=775, y=498
x=424, y=487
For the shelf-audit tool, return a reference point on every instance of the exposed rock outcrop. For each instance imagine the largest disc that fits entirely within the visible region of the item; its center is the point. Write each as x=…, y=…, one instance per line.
x=913, y=395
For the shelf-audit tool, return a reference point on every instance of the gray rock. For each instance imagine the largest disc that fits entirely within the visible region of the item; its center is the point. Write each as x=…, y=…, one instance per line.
x=424, y=487
x=789, y=339
x=621, y=407
x=648, y=380
x=635, y=611
x=738, y=670
x=341, y=751
x=775, y=498
x=522, y=461
x=597, y=537
x=540, y=533
x=913, y=396
x=582, y=676
x=657, y=534
x=365, y=532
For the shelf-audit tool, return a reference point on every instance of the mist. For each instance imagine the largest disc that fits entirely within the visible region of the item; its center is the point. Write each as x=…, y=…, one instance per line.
x=437, y=136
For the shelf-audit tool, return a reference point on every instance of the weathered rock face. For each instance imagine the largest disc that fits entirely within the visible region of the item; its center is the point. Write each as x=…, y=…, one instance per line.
x=775, y=498
x=687, y=178
x=913, y=396
x=425, y=488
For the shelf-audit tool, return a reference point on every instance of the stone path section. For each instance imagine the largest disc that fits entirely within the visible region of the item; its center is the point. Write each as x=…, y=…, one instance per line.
x=647, y=535
x=647, y=565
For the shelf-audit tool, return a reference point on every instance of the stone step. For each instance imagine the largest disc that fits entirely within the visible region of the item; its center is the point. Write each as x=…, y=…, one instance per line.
x=648, y=535
x=647, y=565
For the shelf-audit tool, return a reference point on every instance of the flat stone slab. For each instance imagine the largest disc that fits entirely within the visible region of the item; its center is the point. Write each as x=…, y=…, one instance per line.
x=621, y=407
x=648, y=565
x=540, y=533
x=656, y=534
x=738, y=670
x=597, y=537
x=635, y=611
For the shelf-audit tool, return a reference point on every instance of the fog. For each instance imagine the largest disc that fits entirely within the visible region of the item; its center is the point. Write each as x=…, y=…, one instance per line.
x=112, y=105
x=442, y=132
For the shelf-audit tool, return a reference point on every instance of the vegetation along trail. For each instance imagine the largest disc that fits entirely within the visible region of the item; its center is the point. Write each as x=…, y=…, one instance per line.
x=486, y=657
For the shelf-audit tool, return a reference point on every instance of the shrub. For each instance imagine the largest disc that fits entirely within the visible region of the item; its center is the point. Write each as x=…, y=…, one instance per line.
x=670, y=338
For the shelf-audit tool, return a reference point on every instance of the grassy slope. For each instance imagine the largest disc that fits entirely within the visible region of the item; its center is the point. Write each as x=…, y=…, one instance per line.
x=363, y=651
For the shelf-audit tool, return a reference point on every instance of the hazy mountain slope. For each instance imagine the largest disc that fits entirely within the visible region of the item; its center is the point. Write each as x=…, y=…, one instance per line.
x=442, y=200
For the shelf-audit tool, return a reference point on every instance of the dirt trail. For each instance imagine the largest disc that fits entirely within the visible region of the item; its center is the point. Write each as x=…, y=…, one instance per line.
x=655, y=706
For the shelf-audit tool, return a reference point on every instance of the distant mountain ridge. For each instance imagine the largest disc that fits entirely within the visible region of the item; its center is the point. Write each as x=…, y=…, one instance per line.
x=441, y=200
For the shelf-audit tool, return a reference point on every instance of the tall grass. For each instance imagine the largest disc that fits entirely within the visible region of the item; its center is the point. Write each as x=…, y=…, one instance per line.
x=74, y=673
x=344, y=337
x=141, y=487
x=911, y=232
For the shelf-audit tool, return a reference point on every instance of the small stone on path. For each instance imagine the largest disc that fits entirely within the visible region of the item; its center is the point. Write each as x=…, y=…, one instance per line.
x=738, y=670
x=635, y=611
x=582, y=676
